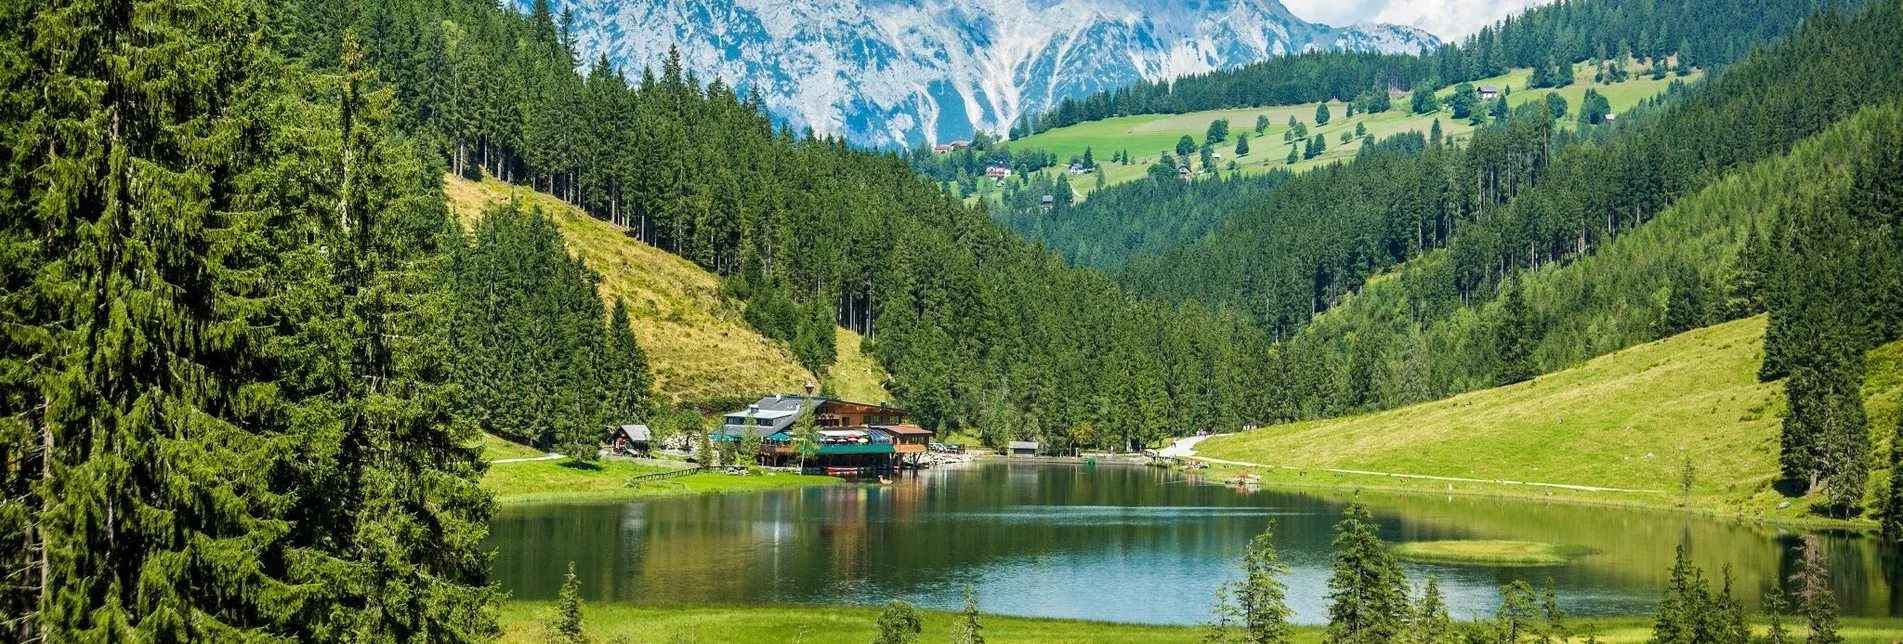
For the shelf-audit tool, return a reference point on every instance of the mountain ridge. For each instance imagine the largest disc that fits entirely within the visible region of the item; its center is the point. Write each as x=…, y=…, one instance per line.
x=906, y=72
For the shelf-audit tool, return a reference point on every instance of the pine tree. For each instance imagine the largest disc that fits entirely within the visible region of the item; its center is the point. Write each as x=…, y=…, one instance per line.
x=567, y=628
x=1321, y=113
x=1554, y=627
x=1367, y=592
x=1429, y=622
x=164, y=301
x=969, y=626
x=1515, y=618
x=1513, y=339
x=1223, y=615
x=1242, y=145
x=1685, y=308
x=1261, y=597
x=405, y=557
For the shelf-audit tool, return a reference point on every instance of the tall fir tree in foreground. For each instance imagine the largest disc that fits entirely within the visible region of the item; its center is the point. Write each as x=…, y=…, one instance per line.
x=157, y=312
x=1367, y=593
x=237, y=391
x=401, y=558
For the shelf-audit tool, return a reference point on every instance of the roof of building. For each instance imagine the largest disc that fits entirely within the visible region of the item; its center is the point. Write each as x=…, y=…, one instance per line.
x=768, y=415
x=904, y=430
x=773, y=414
x=637, y=433
x=1032, y=445
x=1489, y=88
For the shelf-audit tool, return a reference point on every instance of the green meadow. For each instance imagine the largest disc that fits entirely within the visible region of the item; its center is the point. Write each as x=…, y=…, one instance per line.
x=1147, y=136
x=523, y=623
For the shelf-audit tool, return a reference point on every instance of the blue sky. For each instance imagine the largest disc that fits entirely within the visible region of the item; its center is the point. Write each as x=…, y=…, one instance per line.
x=1449, y=19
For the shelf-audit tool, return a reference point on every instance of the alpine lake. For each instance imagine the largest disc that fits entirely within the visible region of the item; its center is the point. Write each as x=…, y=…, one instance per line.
x=1120, y=543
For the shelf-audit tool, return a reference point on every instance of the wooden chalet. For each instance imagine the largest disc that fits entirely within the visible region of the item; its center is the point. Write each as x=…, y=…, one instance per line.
x=852, y=437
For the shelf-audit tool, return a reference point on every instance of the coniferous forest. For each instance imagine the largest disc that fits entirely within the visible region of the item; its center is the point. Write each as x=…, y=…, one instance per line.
x=1547, y=39
x=250, y=351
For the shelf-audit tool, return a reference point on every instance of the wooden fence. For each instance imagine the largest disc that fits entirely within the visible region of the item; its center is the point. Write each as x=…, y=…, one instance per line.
x=662, y=476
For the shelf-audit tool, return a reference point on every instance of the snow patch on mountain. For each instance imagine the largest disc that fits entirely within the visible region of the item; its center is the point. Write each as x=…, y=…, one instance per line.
x=904, y=72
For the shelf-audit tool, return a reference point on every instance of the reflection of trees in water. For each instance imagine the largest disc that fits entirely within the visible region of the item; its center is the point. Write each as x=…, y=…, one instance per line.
x=926, y=535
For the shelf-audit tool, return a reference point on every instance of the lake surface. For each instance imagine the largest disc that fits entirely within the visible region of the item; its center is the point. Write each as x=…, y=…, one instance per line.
x=1112, y=542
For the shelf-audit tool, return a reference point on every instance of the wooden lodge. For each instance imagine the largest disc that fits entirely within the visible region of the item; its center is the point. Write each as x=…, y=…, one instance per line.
x=852, y=437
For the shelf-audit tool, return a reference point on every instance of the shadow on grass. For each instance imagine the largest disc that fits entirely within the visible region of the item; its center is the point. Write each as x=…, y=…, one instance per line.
x=581, y=465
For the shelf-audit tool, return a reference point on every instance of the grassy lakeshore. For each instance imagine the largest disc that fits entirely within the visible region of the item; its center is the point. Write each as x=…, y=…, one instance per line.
x=1627, y=420
x=522, y=624
x=559, y=480
x=1490, y=553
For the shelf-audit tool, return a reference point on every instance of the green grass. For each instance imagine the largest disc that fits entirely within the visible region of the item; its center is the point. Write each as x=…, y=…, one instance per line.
x=523, y=624
x=1624, y=420
x=495, y=448
x=1489, y=553
x=560, y=480
x=1146, y=135
x=699, y=346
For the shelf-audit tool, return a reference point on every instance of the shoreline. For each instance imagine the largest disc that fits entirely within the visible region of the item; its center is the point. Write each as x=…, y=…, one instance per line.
x=1399, y=484
x=824, y=624
x=533, y=482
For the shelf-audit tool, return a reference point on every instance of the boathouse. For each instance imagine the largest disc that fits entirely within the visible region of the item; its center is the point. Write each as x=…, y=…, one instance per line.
x=1023, y=448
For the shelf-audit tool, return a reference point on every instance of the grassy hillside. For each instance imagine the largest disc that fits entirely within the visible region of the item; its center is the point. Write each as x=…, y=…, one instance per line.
x=1624, y=420
x=698, y=345
x=1147, y=135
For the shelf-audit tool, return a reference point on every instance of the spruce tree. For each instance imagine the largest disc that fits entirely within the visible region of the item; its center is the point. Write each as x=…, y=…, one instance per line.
x=402, y=557
x=1513, y=338
x=1223, y=618
x=1685, y=307
x=1261, y=597
x=969, y=625
x=1429, y=623
x=567, y=628
x=164, y=303
x=1367, y=593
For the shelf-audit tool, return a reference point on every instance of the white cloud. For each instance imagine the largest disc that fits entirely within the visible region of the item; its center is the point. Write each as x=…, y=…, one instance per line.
x=1449, y=19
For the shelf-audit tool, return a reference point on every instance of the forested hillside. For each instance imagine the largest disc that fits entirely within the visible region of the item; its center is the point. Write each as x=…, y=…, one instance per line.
x=1470, y=224
x=978, y=328
x=696, y=339
x=1518, y=196
x=1700, y=34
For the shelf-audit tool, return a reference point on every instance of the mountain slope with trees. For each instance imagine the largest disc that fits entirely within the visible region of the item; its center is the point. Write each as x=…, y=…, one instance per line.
x=1549, y=39
x=698, y=343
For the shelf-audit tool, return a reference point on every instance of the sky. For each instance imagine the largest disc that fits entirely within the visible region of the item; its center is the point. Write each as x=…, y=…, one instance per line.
x=1449, y=19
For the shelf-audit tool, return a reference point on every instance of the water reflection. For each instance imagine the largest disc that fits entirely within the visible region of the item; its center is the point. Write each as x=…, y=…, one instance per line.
x=1113, y=543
